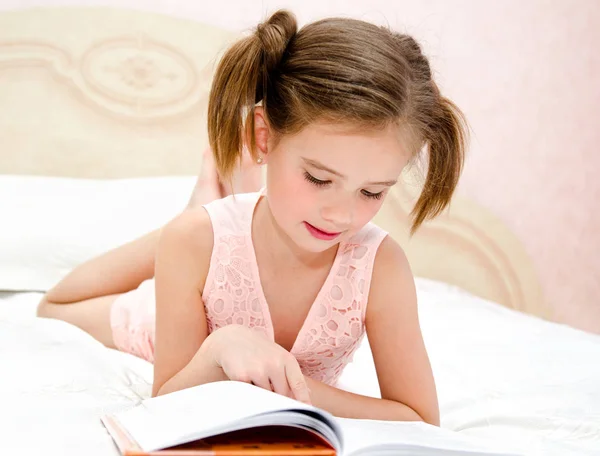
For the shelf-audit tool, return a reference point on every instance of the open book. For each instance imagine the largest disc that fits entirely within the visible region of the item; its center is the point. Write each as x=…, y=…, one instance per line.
x=195, y=415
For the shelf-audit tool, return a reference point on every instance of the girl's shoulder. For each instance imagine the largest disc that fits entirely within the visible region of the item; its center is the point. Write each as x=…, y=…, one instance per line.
x=390, y=266
x=390, y=257
x=187, y=239
x=192, y=227
x=386, y=249
x=367, y=240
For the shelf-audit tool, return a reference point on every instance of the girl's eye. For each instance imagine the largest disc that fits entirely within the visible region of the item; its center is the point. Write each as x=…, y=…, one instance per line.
x=372, y=195
x=313, y=180
x=322, y=183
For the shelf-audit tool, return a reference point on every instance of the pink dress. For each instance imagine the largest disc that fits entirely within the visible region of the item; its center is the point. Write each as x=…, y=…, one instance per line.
x=335, y=324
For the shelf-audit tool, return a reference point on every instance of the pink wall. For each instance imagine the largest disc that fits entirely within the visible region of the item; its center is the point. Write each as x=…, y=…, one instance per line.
x=527, y=75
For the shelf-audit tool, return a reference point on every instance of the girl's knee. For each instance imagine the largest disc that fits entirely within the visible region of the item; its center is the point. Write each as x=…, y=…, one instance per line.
x=45, y=309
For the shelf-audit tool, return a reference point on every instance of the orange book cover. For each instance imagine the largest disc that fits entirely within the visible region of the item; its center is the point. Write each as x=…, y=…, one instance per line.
x=265, y=441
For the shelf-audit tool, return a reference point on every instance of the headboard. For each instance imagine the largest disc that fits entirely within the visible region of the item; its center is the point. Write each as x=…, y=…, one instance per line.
x=108, y=93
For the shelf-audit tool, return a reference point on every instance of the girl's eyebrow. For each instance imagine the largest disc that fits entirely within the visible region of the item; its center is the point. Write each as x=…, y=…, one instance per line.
x=322, y=167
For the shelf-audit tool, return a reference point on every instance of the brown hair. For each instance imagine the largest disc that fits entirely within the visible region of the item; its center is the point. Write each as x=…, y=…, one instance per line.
x=341, y=70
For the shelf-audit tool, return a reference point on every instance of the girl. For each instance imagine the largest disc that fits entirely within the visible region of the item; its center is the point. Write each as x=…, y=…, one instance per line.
x=277, y=287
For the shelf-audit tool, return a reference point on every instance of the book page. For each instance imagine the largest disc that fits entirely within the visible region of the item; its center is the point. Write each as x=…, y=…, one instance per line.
x=419, y=437
x=202, y=411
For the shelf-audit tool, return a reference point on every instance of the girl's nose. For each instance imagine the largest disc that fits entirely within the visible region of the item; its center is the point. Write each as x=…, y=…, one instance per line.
x=339, y=213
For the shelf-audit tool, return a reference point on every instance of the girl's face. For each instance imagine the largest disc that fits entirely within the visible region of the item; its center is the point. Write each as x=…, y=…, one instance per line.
x=326, y=182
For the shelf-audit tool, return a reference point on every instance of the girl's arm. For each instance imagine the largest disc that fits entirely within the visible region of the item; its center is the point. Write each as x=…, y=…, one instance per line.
x=403, y=369
x=349, y=405
x=182, y=262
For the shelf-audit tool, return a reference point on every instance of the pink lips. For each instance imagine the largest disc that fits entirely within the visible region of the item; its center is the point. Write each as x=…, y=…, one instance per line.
x=320, y=234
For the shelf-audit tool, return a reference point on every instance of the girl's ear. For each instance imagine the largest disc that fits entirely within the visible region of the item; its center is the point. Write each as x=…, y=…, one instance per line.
x=261, y=134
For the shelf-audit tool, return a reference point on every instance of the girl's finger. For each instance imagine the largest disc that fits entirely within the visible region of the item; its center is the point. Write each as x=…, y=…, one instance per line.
x=280, y=383
x=261, y=381
x=296, y=381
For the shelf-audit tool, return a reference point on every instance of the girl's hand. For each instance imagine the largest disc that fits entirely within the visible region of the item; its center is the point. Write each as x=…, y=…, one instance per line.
x=245, y=355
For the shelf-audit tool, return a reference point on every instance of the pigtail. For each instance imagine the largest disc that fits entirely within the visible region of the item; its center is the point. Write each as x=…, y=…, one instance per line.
x=446, y=137
x=240, y=81
x=233, y=91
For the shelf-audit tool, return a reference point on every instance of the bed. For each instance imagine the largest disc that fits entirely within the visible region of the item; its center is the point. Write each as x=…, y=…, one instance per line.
x=102, y=128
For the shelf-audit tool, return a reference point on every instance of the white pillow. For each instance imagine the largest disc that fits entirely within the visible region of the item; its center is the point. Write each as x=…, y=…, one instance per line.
x=49, y=225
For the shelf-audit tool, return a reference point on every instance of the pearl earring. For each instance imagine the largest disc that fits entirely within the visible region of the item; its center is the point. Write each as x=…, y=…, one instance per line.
x=259, y=160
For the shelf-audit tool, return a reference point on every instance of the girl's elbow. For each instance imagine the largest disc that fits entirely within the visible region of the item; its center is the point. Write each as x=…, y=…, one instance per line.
x=432, y=417
x=160, y=389
x=426, y=416
x=434, y=420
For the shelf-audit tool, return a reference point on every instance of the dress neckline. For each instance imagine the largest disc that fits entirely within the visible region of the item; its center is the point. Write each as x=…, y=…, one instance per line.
x=261, y=295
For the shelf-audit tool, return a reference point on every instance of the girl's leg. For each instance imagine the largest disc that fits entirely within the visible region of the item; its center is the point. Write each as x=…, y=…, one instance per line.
x=91, y=315
x=85, y=296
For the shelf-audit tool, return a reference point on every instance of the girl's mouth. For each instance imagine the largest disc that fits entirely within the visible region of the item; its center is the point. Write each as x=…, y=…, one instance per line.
x=320, y=234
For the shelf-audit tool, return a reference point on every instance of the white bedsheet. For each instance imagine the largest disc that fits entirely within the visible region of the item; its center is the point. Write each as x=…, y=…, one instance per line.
x=56, y=381
x=530, y=385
